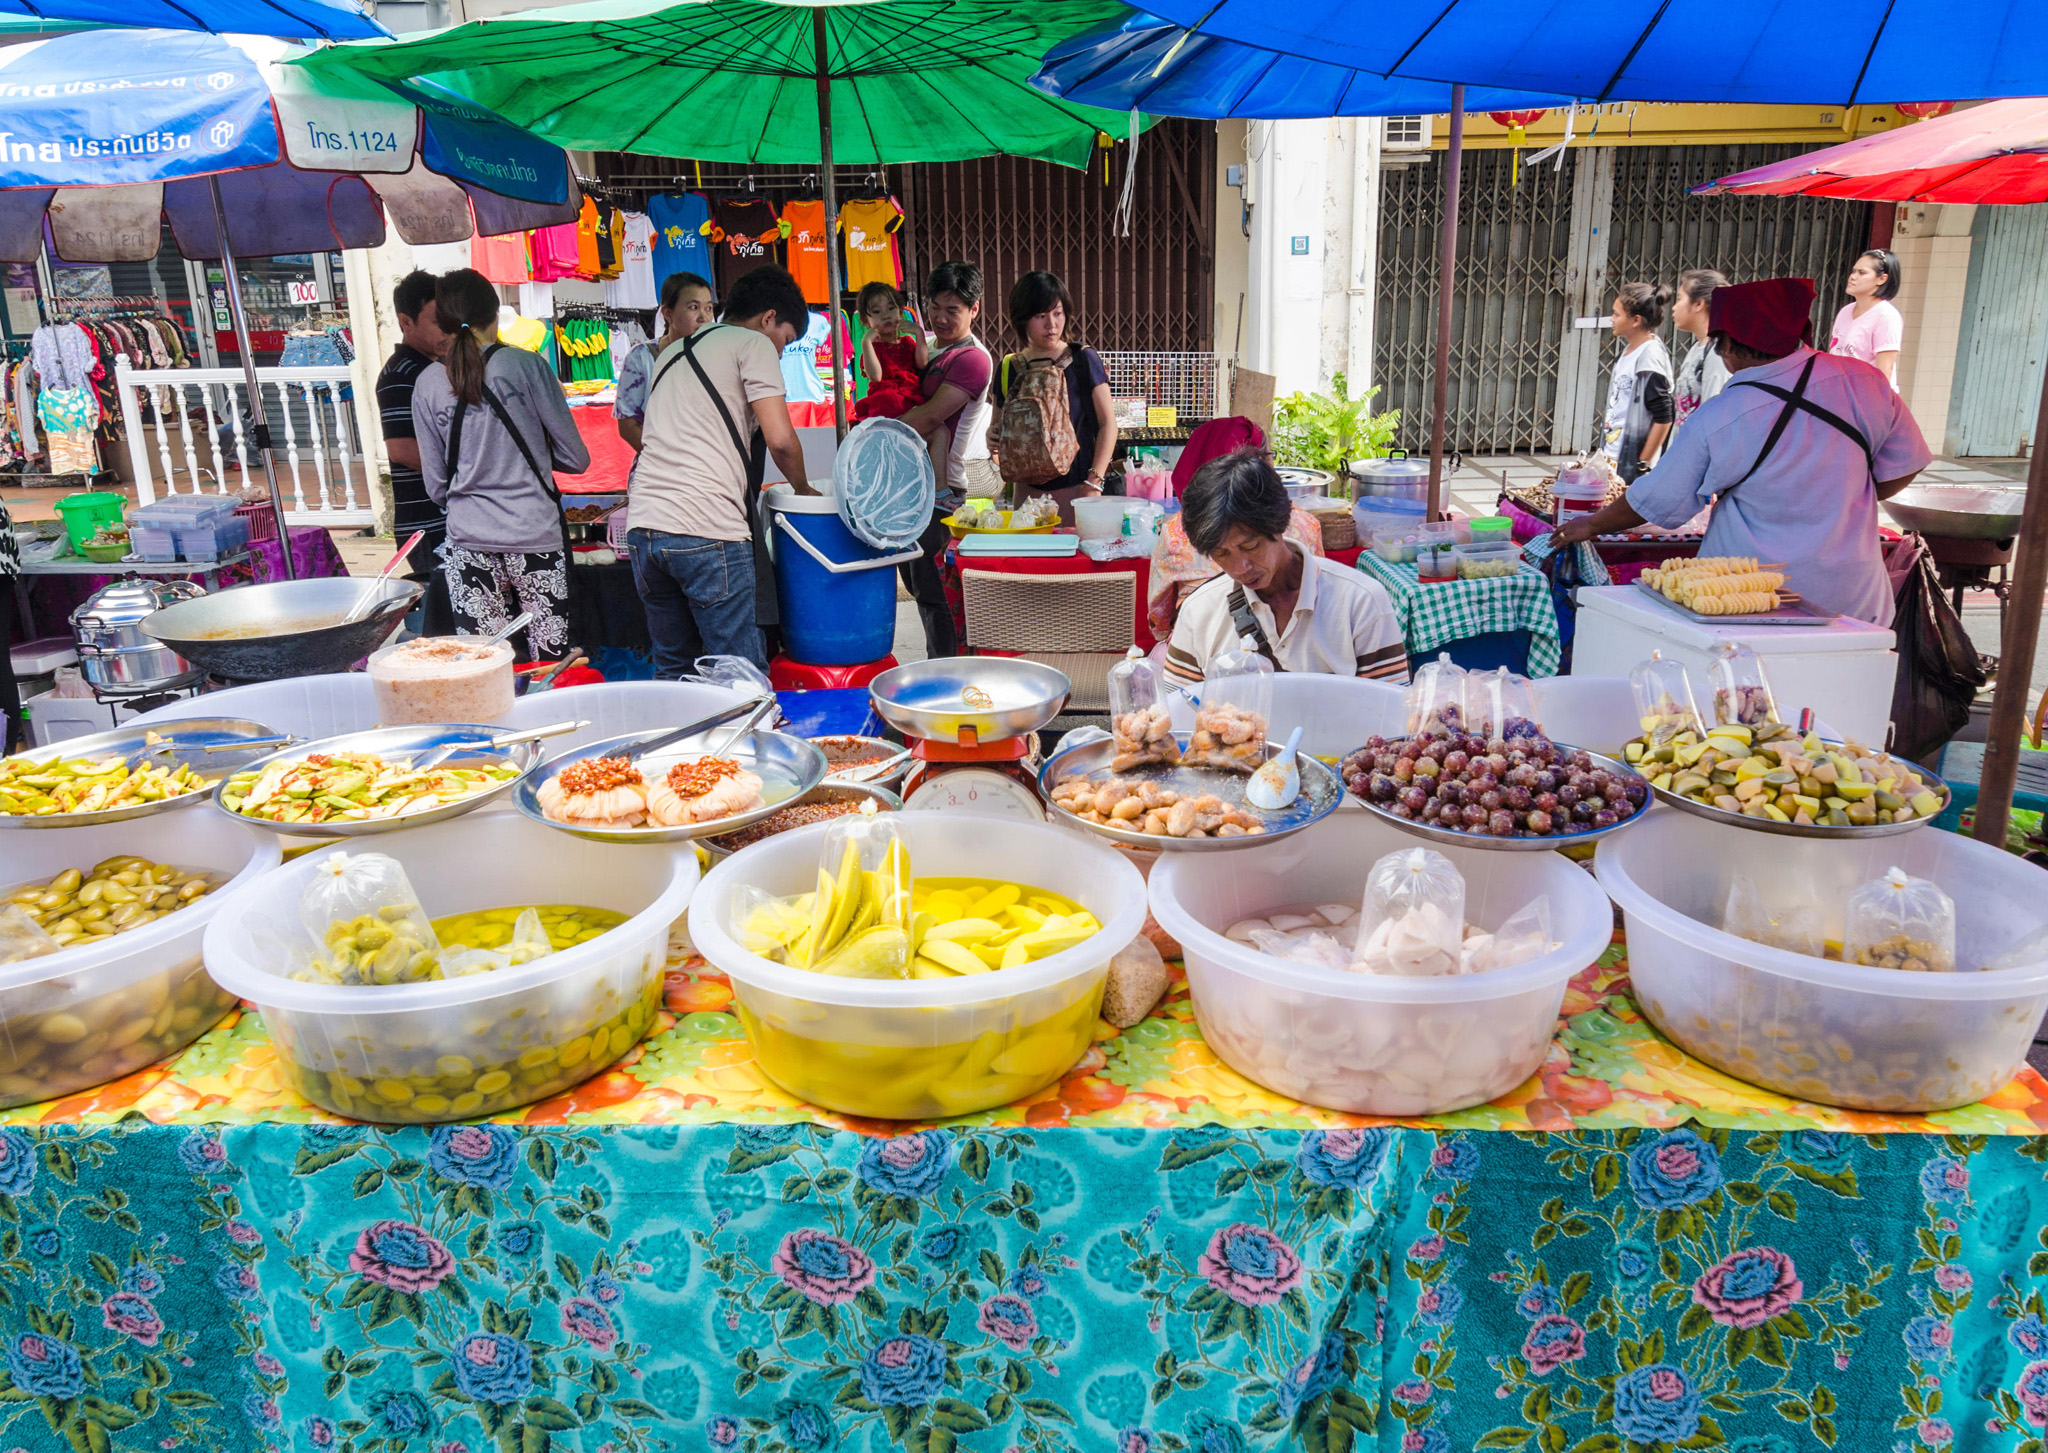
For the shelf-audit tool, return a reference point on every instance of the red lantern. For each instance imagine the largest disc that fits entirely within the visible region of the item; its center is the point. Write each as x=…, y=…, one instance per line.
x=1517, y=123
x=1923, y=110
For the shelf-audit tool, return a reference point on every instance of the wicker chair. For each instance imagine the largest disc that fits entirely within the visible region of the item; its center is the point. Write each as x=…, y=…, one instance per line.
x=1079, y=624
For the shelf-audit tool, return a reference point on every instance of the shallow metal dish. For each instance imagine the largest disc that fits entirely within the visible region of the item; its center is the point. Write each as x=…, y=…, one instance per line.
x=1553, y=843
x=788, y=768
x=399, y=741
x=1322, y=792
x=1712, y=813
x=887, y=768
x=140, y=744
x=1959, y=511
x=923, y=698
x=826, y=791
x=290, y=628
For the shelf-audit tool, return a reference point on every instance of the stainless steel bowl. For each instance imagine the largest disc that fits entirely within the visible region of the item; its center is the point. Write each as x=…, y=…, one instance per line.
x=291, y=628
x=831, y=791
x=925, y=698
x=1712, y=813
x=873, y=761
x=1322, y=792
x=1557, y=840
x=475, y=751
x=168, y=744
x=788, y=768
x=1959, y=511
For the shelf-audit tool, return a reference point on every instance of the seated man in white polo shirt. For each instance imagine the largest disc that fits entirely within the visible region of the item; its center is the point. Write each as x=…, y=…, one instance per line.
x=1303, y=612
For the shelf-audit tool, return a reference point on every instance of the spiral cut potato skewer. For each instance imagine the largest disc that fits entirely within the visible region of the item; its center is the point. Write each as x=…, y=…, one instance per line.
x=1730, y=585
x=1671, y=571
x=1749, y=603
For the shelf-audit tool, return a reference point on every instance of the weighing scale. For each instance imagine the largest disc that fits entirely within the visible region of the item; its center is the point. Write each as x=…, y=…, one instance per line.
x=969, y=721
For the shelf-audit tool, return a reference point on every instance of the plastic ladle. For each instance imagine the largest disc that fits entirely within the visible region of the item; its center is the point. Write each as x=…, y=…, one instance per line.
x=1278, y=782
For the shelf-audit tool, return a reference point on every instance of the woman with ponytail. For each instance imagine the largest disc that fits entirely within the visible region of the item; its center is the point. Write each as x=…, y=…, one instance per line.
x=493, y=426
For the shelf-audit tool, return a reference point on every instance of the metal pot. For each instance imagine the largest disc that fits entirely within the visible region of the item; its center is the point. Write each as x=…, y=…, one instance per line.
x=114, y=653
x=1396, y=475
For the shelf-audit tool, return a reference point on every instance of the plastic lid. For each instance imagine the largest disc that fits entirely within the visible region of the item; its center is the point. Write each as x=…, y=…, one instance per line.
x=882, y=481
x=1491, y=525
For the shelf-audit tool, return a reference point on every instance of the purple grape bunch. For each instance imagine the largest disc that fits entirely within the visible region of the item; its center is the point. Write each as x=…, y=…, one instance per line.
x=1519, y=786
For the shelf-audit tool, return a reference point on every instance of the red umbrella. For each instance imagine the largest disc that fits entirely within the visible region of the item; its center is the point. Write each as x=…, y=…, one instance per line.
x=1997, y=152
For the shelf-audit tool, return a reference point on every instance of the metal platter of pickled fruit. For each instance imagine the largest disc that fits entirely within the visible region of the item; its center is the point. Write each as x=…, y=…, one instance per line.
x=1179, y=805
x=377, y=781
x=1521, y=793
x=1771, y=778
x=134, y=771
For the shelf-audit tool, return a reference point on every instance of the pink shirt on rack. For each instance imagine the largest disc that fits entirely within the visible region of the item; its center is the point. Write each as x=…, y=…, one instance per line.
x=554, y=253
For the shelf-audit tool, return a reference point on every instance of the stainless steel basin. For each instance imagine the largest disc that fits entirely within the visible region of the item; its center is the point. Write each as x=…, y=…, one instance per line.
x=1959, y=511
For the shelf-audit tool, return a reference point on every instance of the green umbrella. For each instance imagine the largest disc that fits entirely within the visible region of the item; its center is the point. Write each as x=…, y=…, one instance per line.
x=768, y=80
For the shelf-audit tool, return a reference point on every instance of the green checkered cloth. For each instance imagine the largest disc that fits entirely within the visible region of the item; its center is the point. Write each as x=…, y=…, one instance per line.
x=1436, y=615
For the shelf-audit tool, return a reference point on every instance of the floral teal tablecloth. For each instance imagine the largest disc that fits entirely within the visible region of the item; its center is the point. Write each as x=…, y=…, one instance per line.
x=787, y=1288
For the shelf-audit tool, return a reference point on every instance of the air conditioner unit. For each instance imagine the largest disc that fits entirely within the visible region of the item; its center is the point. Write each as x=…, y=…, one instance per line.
x=1406, y=133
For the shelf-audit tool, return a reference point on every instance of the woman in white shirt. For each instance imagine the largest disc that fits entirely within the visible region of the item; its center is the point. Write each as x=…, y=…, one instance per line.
x=1869, y=327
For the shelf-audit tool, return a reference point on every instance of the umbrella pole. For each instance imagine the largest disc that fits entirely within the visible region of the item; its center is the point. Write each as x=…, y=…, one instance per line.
x=2016, y=641
x=1446, y=267
x=831, y=225
x=262, y=425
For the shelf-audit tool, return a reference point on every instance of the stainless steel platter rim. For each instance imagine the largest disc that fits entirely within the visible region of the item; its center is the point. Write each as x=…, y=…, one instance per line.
x=1556, y=842
x=1707, y=812
x=526, y=798
x=84, y=747
x=383, y=741
x=1313, y=770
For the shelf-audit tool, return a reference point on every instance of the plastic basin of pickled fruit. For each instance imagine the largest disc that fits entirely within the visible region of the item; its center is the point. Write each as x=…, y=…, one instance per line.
x=103, y=1008
x=1815, y=1029
x=924, y=1048
x=453, y=1049
x=1368, y=1043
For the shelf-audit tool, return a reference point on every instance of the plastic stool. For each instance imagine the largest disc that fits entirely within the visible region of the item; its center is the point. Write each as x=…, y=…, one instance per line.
x=1962, y=768
x=785, y=674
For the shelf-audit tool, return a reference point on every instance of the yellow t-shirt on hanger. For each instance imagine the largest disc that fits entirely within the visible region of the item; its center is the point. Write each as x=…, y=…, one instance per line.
x=870, y=229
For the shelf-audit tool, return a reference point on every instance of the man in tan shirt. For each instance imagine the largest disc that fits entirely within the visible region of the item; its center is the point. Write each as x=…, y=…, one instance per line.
x=714, y=411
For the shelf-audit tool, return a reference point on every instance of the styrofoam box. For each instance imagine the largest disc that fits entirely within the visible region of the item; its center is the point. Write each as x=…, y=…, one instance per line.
x=54, y=718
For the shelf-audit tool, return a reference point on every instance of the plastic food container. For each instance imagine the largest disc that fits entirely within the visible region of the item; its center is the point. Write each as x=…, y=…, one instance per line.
x=1377, y=515
x=1100, y=517
x=453, y=1049
x=311, y=708
x=918, y=1049
x=443, y=679
x=1839, y=1034
x=1365, y=1043
x=614, y=708
x=100, y=1010
x=1485, y=562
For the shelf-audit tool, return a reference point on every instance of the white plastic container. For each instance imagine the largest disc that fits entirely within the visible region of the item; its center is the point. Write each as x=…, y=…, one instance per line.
x=1099, y=517
x=1839, y=1034
x=452, y=1049
x=614, y=708
x=921, y=1048
x=311, y=708
x=413, y=685
x=1364, y=1043
x=136, y=996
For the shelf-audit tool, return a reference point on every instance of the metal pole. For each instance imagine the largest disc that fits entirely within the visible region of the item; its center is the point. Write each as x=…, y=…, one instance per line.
x=824, y=75
x=1446, y=270
x=262, y=425
x=2016, y=641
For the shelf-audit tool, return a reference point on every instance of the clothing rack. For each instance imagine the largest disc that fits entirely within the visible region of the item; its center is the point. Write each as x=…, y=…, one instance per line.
x=73, y=310
x=779, y=176
x=604, y=311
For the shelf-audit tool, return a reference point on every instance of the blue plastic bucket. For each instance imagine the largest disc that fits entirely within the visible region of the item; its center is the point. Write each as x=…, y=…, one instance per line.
x=838, y=594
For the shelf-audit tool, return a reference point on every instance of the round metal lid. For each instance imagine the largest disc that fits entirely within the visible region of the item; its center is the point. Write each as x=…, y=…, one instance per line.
x=1397, y=468
x=127, y=602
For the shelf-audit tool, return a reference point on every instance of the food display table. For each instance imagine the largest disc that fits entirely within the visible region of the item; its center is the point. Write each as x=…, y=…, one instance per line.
x=1630, y=1251
x=1433, y=617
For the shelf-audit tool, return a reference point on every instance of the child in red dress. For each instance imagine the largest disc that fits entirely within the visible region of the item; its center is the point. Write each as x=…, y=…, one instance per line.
x=891, y=362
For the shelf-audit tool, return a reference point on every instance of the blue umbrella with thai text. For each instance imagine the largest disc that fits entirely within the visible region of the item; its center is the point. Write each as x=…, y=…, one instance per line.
x=291, y=19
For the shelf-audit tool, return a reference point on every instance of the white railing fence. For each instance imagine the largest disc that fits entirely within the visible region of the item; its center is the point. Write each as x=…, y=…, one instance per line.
x=175, y=419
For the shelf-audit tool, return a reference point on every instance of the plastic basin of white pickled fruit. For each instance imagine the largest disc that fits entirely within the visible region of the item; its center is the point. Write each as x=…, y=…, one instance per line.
x=912, y=1049
x=1839, y=1034
x=105, y=1007
x=452, y=1049
x=1369, y=1043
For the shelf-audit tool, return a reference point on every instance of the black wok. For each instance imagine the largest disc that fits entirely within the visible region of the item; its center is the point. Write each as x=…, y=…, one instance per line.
x=291, y=628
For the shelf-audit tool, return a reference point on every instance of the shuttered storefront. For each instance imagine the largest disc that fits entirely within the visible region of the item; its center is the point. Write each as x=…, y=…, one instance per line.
x=1999, y=355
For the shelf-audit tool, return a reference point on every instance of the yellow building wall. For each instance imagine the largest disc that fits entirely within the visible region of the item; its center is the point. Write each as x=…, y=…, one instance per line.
x=1657, y=123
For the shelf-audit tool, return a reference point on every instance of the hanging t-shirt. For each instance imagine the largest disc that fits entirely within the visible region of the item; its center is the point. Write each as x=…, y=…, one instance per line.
x=634, y=286
x=680, y=241
x=870, y=228
x=554, y=252
x=607, y=243
x=807, y=250
x=586, y=240
x=501, y=259
x=800, y=381
x=748, y=234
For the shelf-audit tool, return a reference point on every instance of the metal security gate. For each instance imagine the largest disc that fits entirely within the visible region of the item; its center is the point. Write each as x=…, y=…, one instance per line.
x=1999, y=356
x=1537, y=268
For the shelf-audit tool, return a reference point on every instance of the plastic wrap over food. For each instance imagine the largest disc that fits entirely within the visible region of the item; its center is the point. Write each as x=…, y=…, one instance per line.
x=529, y=942
x=1412, y=921
x=857, y=923
x=1524, y=936
x=1779, y=917
x=366, y=923
x=1138, y=717
x=1236, y=707
x=1436, y=699
x=1502, y=705
x=1742, y=693
x=1664, y=699
x=21, y=937
x=1897, y=921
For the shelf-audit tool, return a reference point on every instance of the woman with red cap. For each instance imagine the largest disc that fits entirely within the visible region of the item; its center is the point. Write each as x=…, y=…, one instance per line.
x=1795, y=454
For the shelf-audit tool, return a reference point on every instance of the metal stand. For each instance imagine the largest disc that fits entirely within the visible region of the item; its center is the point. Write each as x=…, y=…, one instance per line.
x=1446, y=270
x=831, y=222
x=262, y=424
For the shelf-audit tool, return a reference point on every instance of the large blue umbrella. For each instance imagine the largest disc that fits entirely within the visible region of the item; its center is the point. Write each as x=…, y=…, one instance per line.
x=105, y=134
x=292, y=19
x=1842, y=52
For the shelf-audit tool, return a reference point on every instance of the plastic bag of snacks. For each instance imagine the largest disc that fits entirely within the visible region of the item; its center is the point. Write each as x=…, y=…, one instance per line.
x=1901, y=922
x=367, y=923
x=1237, y=704
x=1781, y=920
x=857, y=923
x=1742, y=695
x=1664, y=702
x=21, y=937
x=529, y=942
x=1412, y=922
x=1524, y=936
x=1436, y=699
x=1502, y=705
x=1138, y=716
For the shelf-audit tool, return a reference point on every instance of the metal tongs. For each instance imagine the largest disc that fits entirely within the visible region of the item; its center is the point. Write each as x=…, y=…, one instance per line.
x=437, y=755
x=753, y=709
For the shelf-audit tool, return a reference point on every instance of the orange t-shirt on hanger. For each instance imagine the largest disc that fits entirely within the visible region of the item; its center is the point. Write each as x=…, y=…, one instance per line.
x=806, y=248
x=586, y=240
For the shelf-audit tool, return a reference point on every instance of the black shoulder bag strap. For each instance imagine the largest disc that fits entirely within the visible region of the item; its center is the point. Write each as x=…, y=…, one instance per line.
x=1796, y=401
x=546, y=477
x=1247, y=624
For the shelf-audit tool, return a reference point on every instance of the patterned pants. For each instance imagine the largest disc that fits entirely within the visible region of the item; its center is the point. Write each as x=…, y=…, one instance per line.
x=487, y=588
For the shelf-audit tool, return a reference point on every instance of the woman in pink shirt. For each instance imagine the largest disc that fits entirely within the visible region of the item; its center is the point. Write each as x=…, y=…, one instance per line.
x=1869, y=327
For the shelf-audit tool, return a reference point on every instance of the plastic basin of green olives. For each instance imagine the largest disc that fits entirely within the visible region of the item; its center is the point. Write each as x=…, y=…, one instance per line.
x=102, y=1008
x=456, y=1049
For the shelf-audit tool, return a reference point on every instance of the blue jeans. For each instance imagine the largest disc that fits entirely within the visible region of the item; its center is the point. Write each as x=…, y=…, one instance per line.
x=699, y=596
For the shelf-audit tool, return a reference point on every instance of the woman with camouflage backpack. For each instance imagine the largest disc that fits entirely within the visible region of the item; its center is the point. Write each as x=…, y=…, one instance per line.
x=1054, y=431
